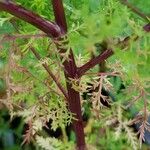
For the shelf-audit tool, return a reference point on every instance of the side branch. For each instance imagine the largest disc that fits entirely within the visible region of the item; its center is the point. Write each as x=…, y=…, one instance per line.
x=106, y=54
x=135, y=10
x=100, y=58
x=50, y=73
x=50, y=28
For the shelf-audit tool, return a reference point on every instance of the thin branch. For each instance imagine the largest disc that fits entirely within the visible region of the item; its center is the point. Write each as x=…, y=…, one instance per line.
x=50, y=73
x=135, y=10
x=145, y=106
x=7, y=37
x=50, y=28
x=44, y=83
x=133, y=101
x=100, y=58
x=28, y=73
x=103, y=73
x=25, y=36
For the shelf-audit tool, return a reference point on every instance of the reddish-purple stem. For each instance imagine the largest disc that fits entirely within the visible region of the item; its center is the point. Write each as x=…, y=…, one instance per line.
x=135, y=10
x=94, y=61
x=60, y=15
x=50, y=28
x=37, y=55
x=70, y=71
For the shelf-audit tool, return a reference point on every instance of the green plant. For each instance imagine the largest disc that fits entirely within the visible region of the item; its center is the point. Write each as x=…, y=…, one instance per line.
x=39, y=97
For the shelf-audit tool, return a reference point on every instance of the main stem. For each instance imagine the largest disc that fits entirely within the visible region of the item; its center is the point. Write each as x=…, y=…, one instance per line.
x=70, y=70
x=74, y=103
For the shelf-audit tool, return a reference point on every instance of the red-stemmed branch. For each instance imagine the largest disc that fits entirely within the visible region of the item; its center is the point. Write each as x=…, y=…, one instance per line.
x=50, y=28
x=60, y=15
x=90, y=64
x=135, y=10
x=8, y=38
x=36, y=54
x=106, y=54
x=138, y=12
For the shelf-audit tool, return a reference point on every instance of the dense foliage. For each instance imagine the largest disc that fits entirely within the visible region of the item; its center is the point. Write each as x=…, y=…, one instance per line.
x=27, y=88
